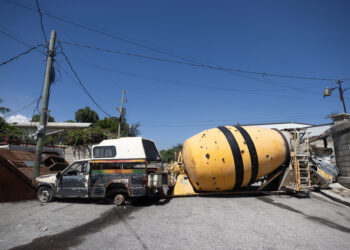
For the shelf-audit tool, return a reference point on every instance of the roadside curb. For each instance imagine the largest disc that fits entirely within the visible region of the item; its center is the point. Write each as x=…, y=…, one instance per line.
x=335, y=196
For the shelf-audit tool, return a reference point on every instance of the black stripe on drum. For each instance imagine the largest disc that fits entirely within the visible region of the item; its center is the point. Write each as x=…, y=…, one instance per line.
x=252, y=152
x=236, y=153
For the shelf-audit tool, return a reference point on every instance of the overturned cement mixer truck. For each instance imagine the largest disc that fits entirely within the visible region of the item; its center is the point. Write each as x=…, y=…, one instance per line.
x=219, y=160
x=249, y=159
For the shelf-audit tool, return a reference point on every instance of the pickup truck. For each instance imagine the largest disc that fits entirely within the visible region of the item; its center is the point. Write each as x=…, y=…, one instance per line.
x=120, y=169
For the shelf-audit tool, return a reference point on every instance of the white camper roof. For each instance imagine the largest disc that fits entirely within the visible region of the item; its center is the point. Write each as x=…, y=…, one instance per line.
x=126, y=147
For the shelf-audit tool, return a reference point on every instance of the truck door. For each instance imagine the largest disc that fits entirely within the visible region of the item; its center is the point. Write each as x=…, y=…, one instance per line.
x=75, y=180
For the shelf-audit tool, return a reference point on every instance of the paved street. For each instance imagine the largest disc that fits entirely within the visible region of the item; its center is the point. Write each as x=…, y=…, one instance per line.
x=227, y=222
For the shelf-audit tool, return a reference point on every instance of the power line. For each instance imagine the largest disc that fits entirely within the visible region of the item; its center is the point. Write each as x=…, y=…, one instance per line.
x=86, y=54
x=80, y=82
x=217, y=122
x=18, y=40
x=264, y=74
x=147, y=47
x=27, y=45
x=177, y=83
x=229, y=70
x=23, y=108
x=41, y=21
x=96, y=30
x=197, y=64
x=16, y=57
x=235, y=72
x=14, y=38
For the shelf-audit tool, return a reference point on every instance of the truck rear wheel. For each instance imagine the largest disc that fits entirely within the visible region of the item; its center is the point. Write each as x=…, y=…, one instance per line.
x=45, y=194
x=119, y=199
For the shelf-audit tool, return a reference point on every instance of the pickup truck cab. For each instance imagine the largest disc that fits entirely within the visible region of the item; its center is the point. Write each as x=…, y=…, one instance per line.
x=119, y=169
x=72, y=182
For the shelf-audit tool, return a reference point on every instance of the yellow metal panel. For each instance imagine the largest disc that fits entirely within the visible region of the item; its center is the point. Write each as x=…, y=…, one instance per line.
x=208, y=161
x=325, y=175
x=270, y=147
x=183, y=186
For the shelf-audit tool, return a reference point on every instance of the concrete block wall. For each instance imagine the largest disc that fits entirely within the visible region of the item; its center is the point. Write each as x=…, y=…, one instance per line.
x=73, y=153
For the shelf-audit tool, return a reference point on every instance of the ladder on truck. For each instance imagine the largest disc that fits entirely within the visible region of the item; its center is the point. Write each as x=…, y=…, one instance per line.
x=300, y=161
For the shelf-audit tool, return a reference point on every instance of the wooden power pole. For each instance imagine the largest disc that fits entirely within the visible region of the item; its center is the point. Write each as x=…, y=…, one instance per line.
x=44, y=105
x=341, y=91
x=121, y=114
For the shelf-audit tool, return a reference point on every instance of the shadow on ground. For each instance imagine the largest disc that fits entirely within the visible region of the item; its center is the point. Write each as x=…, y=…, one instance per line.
x=74, y=236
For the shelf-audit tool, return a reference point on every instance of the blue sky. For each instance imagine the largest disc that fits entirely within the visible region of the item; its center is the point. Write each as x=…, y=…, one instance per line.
x=171, y=101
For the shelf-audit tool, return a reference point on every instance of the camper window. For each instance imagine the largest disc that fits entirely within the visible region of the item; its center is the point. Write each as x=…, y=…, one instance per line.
x=104, y=152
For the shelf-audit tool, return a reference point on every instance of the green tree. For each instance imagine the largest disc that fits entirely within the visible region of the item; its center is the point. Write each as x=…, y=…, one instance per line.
x=169, y=154
x=8, y=133
x=36, y=118
x=3, y=110
x=110, y=124
x=134, y=129
x=91, y=135
x=86, y=115
x=106, y=128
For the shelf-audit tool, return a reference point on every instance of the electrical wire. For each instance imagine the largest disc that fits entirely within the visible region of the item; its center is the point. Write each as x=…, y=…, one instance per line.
x=86, y=54
x=14, y=38
x=264, y=74
x=19, y=41
x=18, y=56
x=184, y=63
x=80, y=82
x=197, y=64
x=97, y=30
x=215, y=123
x=41, y=21
x=177, y=83
x=23, y=108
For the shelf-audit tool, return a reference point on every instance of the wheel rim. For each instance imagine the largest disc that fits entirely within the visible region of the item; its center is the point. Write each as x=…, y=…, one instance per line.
x=44, y=194
x=119, y=199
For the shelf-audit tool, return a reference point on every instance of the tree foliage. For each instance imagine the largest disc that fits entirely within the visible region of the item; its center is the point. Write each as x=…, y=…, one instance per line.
x=36, y=118
x=134, y=129
x=86, y=115
x=106, y=128
x=169, y=154
x=4, y=110
x=8, y=133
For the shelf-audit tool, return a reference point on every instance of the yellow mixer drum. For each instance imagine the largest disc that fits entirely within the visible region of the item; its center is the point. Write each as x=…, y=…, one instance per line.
x=231, y=157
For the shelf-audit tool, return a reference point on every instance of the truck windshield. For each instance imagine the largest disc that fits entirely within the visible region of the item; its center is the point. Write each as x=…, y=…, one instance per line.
x=104, y=152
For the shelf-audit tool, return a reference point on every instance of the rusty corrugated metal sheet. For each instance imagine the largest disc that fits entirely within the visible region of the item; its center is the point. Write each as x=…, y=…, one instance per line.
x=24, y=161
x=16, y=171
x=14, y=185
x=13, y=155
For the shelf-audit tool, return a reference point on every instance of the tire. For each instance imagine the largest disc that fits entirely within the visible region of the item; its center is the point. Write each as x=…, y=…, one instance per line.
x=119, y=199
x=45, y=194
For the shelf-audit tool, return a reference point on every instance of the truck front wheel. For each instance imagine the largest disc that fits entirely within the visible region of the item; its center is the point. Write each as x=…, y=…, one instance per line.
x=45, y=194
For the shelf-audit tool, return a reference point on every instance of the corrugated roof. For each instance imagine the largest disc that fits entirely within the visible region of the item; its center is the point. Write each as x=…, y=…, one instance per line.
x=53, y=125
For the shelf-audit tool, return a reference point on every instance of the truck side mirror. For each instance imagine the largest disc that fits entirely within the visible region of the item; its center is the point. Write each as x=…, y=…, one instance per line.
x=58, y=175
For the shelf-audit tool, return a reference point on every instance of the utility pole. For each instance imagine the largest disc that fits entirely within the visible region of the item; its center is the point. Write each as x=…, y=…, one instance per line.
x=121, y=114
x=44, y=105
x=341, y=94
